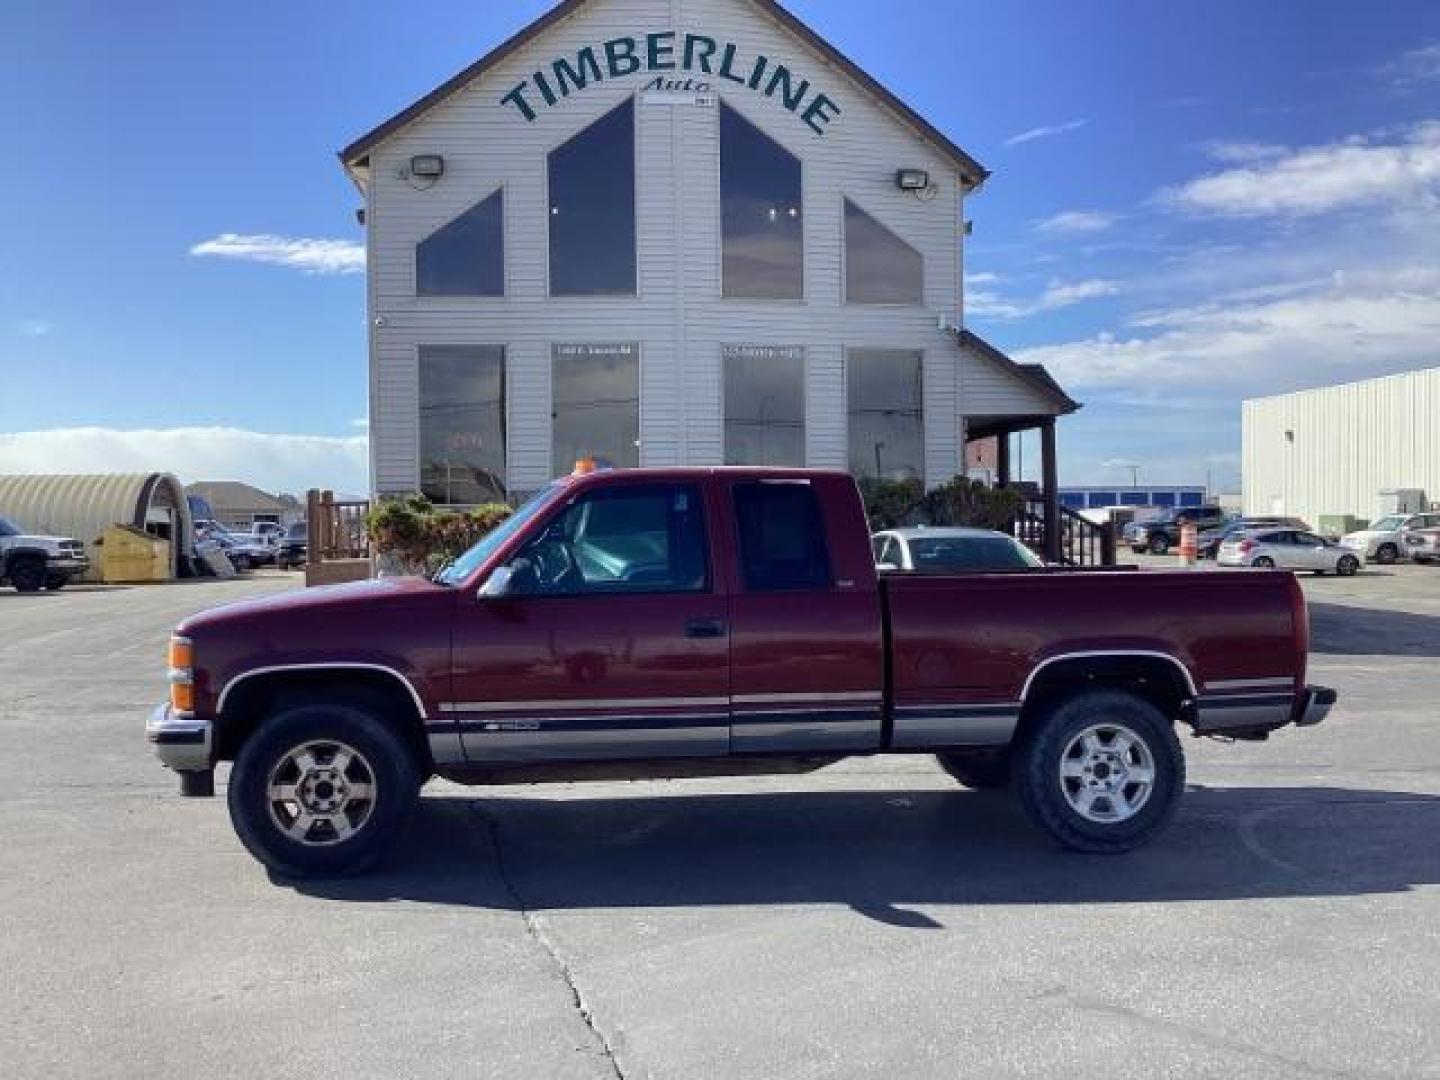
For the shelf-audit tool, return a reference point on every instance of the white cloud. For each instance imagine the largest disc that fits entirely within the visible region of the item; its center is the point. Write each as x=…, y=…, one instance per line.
x=1415, y=67
x=1045, y=131
x=299, y=253
x=985, y=278
x=291, y=463
x=1058, y=294
x=1076, y=222
x=34, y=328
x=1352, y=326
x=1404, y=172
x=1244, y=153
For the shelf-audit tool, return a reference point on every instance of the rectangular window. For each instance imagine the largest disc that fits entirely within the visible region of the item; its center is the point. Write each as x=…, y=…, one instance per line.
x=462, y=424
x=592, y=209
x=762, y=218
x=885, y=401
x=596, y=395
x=641, y=539
x=880, y=268
x=764, y=404
x=782, y=537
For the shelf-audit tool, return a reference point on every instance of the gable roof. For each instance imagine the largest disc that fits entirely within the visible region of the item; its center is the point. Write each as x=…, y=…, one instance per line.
x=1033, y=375
x=974, y=174
x=233, y=495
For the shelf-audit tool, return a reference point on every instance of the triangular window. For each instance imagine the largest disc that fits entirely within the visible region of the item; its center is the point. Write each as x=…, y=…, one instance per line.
x=880, y=268
x=465, y=257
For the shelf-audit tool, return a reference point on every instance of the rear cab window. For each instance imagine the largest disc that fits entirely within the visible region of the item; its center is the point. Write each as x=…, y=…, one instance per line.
x=782, y=537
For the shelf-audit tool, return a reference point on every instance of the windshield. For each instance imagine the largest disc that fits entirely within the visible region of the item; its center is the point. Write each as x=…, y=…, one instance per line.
x=9, y=528
x=473, y=559
x=971, y=553
x=1389, y=524
x=297, y=532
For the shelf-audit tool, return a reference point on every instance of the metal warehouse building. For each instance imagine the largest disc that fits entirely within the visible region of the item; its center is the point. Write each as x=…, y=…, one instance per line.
x=84, y=506
x=673, y=232
x=1333, y=451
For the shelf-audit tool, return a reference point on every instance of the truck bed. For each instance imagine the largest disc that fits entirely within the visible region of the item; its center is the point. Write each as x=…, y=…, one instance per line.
x=966, y=650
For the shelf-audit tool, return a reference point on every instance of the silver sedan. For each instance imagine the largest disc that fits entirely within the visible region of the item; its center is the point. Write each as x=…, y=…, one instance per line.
x=1288, y=549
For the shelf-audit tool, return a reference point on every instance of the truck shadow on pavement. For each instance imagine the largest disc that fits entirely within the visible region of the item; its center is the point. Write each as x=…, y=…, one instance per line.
x=883, y=853
x=1343, y=630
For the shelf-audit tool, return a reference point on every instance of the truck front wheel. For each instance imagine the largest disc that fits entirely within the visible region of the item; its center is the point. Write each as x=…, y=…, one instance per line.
x=1102, y=772
x=322, y=790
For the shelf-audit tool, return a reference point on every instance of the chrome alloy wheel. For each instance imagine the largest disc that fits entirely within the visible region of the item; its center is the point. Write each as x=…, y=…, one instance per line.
x=321, y=793
x=1107, y=773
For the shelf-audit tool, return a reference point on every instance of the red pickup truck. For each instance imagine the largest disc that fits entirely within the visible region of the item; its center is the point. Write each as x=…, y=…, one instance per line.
x=703, y=622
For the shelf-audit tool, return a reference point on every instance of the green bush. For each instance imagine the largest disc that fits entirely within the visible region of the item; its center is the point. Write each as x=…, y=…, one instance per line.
x=419, y=539
x=890, y=504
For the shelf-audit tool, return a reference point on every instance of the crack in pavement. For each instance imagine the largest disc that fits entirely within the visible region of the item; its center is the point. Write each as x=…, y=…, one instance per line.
x=537, y=933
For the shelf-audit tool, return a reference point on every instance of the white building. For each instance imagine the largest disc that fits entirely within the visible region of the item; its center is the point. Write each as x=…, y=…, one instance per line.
x=671, y=232
x=1333, y=451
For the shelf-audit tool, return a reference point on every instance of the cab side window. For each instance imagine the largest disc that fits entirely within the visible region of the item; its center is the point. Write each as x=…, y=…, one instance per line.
x=644, y=539
x=782, y=537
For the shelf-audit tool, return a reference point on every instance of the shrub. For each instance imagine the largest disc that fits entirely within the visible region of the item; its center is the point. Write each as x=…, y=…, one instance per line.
x=417, y=538
x=890, y=504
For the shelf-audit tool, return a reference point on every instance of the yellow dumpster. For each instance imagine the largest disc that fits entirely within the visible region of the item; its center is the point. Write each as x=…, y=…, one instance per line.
x=128, y=554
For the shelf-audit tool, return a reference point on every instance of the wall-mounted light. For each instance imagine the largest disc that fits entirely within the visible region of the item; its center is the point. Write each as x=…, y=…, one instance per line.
x=912, y=179
x=427, y=166
x=1290, y=436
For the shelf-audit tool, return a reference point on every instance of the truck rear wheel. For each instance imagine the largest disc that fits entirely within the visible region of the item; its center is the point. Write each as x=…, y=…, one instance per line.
x=322, y=790
x=1102, y=772
x=979, y=772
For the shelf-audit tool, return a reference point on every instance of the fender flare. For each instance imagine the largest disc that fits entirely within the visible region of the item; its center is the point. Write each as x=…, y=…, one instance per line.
x=1109, y=654
x=235, y=681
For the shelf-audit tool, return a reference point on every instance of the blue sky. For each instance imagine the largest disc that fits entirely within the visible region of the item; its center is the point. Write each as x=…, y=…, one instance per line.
x=1191, y=204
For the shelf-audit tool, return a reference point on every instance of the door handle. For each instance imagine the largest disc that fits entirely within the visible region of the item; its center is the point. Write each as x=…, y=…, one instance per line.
x=705, y=628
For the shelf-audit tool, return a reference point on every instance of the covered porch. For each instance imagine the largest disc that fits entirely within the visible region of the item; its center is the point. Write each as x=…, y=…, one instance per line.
x=1005, y=399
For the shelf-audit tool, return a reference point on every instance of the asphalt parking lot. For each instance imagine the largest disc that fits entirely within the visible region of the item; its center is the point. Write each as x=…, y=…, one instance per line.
x=872, y=920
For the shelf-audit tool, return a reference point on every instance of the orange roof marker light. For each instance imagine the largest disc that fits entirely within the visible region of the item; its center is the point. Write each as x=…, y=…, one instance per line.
x=585, y=466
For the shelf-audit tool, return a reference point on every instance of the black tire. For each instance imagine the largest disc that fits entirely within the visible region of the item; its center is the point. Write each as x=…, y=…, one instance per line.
x=979, y=772
x=1264, y=562
x=241, y=563
x=1047, y=795
x=379, y=748
x=1387, y=554
x=1347, y=566
x=26, y=573
x=1159, y=545
x=56, y=582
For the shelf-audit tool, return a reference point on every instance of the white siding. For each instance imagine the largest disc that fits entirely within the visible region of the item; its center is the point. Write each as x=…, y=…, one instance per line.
x=990, y=390
x=1350, y=443
x=679, y=318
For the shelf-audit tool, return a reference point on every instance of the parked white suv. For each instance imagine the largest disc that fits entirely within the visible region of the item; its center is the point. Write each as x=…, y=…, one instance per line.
x=32, y=563
x=1383, y=542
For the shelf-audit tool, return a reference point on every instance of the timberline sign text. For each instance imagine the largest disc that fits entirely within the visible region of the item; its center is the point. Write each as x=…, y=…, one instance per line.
x=669, y=51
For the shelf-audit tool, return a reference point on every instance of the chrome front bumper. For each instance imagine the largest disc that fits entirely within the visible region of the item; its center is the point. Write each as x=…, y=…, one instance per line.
x=181, y=742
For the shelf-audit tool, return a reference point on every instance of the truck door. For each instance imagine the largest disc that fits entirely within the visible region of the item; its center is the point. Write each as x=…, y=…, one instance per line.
x=807, y=662
x=611, y=642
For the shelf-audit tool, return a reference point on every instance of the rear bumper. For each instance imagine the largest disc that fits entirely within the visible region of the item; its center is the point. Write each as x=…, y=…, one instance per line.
x=1255, y=715
x=1315, y=704
x=180, y=741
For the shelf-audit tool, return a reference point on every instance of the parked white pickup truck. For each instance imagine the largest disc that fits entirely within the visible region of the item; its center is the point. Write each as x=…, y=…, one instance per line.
x=31, y=563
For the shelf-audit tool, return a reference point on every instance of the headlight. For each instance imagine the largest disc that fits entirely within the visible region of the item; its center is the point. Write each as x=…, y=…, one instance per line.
x=182, y=674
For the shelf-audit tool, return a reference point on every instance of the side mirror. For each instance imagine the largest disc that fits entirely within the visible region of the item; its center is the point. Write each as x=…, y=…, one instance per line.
x=497, y=585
